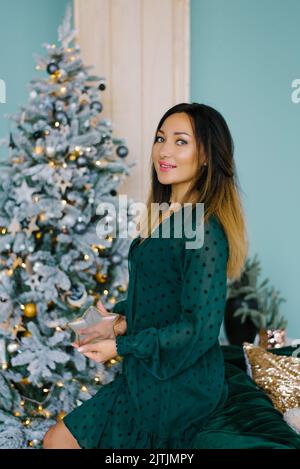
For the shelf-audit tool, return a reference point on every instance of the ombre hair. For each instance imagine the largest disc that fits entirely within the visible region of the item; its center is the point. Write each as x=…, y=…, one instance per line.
x=215, y=184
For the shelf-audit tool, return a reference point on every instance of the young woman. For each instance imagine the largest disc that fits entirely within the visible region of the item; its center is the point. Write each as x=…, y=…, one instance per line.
x=172, y=379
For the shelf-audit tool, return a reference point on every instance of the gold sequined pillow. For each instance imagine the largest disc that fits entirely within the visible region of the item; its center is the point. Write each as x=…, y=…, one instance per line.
x=279, y=377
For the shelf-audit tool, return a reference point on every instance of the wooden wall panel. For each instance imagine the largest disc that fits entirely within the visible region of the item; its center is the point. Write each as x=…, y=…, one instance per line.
x=142, y=48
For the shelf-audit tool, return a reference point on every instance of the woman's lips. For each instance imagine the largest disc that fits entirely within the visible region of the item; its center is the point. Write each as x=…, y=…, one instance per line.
x=166, y=168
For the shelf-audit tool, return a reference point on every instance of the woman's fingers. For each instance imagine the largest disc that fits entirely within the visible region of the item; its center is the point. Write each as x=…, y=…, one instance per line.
x=87, y=348
x=86, y=340
x=102, y=309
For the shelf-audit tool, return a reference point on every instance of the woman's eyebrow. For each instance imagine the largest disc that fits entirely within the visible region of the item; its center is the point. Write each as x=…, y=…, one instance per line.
x=175, y=133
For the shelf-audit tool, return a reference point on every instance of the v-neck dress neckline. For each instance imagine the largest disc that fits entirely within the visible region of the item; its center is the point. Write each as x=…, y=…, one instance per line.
x=136, y=244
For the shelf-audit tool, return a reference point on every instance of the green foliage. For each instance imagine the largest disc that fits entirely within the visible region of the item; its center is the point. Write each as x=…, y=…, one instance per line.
x=267, y=314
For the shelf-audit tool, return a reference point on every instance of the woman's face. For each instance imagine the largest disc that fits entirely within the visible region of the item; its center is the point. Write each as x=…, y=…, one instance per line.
x=175, y=145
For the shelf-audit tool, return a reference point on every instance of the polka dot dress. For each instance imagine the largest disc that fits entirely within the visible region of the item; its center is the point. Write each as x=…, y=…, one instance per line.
x=173, y=376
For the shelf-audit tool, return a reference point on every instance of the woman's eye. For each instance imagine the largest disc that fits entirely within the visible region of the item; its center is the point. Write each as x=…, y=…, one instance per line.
x=179, y=140
x=155, y=139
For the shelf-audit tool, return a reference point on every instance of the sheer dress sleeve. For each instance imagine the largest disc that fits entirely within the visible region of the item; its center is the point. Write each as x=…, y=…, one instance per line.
x=168, y=350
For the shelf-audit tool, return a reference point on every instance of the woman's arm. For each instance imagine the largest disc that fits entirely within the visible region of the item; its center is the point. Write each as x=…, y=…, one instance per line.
x=168, y=350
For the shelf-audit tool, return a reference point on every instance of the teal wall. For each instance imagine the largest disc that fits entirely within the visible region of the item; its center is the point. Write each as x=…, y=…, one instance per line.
x=25, y=26
x=244, y=57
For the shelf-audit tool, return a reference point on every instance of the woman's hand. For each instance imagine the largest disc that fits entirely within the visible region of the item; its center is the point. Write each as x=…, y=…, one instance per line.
x=100, y=352
x=109, y=328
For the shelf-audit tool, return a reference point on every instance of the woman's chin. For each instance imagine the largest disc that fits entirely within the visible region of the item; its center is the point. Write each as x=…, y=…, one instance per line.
x=164, y=179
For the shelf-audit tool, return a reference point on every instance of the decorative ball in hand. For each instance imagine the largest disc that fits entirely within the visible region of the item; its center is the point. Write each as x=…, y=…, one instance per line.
x=96, y=105
x=30, y=310
x=77, y=296
x=80, y=227
x=122, y=151
x=52, y=67
x=100, y=278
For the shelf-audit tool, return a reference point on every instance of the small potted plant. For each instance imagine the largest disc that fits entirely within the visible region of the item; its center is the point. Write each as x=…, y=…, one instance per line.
x=242, y=304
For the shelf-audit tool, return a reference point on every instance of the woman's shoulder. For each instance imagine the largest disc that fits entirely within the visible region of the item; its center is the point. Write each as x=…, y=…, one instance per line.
x=205, y=233
x=214, y=227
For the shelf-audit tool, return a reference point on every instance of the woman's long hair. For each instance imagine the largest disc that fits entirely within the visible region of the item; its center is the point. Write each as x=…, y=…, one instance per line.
x=216, y=184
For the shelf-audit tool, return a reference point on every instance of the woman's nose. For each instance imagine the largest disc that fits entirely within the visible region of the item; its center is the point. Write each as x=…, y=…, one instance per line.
x=165, y=150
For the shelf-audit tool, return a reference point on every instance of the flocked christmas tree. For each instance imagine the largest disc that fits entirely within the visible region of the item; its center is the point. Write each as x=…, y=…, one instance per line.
x=63, y=163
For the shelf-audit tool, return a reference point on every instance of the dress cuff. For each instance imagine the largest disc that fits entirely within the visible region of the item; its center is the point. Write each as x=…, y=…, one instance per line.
x=124, y=345
x=118, y=308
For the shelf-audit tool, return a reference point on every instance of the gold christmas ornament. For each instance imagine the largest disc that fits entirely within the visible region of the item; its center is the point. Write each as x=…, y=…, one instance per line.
x=56, y=75
x=279, y=377
x=101, y=278
x=38, y=235
x=30, y=310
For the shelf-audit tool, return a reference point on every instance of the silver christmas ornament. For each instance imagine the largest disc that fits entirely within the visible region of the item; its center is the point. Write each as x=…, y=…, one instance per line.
x=50, y=151
x=78, y=296
x=80, y=228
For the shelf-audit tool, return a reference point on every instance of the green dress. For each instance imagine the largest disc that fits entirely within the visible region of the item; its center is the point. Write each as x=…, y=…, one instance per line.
x=178, y=387
x=173, y=374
